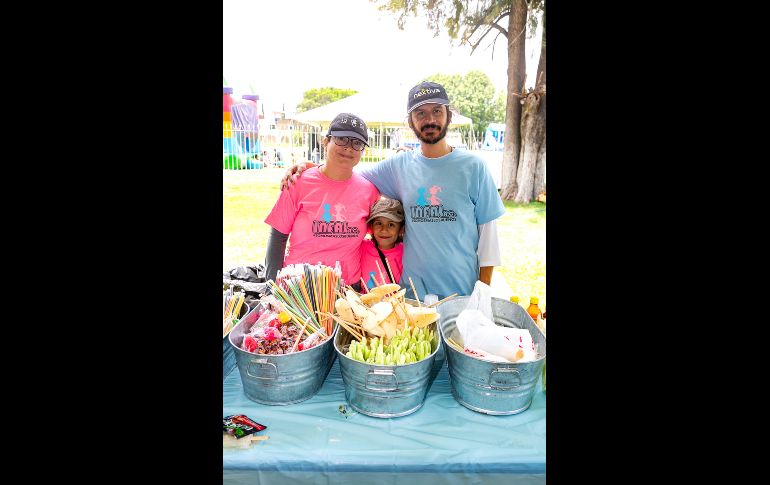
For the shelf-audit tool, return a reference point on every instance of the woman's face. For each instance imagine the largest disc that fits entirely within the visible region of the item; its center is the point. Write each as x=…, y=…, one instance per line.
x=341, y=157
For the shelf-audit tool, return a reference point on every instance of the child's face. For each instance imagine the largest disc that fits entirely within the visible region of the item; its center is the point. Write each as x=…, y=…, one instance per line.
x=386, y=232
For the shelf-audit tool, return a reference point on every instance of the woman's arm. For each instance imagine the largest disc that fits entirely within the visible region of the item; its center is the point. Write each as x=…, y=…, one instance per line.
x=276, y=249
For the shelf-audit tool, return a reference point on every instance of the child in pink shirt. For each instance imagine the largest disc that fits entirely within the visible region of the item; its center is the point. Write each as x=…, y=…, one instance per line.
x=386, y=224
x=324, y=217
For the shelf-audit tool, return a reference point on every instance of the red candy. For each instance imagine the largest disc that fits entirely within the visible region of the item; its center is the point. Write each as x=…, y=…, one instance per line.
x=249, y=344
x=271, y=333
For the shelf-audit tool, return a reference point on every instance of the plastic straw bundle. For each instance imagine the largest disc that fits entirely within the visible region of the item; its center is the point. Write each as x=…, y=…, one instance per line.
x=305, y=290
x=231, y=308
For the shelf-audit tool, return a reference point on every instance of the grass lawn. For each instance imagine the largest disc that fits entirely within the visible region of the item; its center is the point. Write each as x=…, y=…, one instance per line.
x=248, y=196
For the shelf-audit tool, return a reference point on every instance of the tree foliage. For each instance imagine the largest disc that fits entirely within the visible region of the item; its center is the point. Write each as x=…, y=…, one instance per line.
x=474, y=96
x=313, y=98
x=467, y=21
x=485, y=21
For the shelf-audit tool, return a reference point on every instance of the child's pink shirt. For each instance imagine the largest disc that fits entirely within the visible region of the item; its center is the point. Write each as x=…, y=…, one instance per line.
x=370, y=258
x=326, y=220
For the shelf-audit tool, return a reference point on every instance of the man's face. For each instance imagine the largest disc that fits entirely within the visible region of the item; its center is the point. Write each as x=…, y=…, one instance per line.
x=429, y=122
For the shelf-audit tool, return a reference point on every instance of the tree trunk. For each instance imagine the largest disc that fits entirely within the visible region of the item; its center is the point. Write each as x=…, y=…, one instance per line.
x=540, y=86
x=517, y=21
x=540, y=167
x=541, y=63
x=532, y=137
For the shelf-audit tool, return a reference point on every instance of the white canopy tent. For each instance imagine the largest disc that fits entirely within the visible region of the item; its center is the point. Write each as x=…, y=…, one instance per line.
x=377, y=109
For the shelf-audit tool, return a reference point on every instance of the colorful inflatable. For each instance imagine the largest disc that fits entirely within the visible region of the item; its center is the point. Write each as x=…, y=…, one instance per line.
x=240, y=130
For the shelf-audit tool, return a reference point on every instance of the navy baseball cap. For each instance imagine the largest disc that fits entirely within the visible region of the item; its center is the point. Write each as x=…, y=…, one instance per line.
x=347, y=124
x=424, y=93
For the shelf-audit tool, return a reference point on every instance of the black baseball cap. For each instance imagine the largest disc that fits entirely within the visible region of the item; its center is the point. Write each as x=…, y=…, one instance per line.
x=347, y=124
x=424, y=93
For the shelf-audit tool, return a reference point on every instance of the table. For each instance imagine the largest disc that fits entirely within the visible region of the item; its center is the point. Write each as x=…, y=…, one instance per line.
x=443, y=442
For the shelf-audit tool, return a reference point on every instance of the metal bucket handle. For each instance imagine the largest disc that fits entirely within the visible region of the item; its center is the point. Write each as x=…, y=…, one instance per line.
x=504, y=384
x=263, y=365
x=379, y=373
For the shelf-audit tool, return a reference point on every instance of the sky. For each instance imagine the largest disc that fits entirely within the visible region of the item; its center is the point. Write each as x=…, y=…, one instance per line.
x=280, y=49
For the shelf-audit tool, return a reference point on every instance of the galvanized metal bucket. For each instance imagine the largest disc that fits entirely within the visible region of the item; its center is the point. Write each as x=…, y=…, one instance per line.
x=491, y=387
x=387, y=391
x=281, y=379
x=228, y=355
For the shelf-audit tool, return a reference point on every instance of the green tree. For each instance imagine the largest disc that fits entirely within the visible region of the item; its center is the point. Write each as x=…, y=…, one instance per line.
x=471, y=23
x=474, y=96
x=313, y=98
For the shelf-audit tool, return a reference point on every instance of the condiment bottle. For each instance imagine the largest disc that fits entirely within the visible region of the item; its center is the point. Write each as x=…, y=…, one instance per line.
x=514, y=299
x=533, y=310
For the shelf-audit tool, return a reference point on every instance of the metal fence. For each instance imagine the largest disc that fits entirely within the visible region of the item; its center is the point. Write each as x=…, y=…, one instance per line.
x=277, y=147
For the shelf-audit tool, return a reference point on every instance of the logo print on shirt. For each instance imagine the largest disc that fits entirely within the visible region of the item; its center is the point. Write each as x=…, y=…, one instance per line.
x=336, y=226
x=432, y=208
x=421, y=199
x=339, y=215
x=372, y=282
x=327, y=217
x=434, y=200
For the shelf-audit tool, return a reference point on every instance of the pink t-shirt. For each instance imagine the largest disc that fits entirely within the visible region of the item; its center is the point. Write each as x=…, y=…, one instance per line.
x=326, y=220
x=369, y=269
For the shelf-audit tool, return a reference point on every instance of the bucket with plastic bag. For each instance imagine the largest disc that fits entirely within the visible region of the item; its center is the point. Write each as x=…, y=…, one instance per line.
x=495, y=352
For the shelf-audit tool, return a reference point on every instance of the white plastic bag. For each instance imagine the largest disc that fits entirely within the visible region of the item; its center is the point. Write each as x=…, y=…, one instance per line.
x=481, y=299
x=482, y=338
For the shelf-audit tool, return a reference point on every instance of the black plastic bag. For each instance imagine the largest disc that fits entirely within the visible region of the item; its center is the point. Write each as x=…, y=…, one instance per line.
x=249, y=279
x=252, y=274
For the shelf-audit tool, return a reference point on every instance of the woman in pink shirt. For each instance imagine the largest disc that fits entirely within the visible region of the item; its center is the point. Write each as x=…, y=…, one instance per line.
x=381, y=255
x=324, y=216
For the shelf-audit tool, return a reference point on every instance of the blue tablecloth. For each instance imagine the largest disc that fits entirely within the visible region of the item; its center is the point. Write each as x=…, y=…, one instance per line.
x=444, y=442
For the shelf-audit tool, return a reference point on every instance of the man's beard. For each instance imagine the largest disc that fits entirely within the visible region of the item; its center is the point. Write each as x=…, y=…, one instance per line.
x=431, y=139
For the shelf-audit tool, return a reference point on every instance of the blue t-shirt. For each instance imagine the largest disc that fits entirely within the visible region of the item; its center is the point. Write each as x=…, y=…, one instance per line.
x=445, y=199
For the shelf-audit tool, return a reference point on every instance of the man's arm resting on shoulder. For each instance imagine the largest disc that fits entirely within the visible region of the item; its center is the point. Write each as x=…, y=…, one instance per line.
x=293, y=172
x=488, y=251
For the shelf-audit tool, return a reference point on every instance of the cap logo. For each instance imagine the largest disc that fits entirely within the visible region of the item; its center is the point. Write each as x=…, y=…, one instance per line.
x=354, y=122
x=424, y=91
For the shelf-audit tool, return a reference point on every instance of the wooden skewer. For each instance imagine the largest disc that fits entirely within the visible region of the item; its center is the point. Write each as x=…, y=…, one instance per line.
x=347, y=325
x=415, y=292
x=382, y=277
x=390, y=270
x=363, y=285
x=299, y=335
x=455, y=344
x=442, y=300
